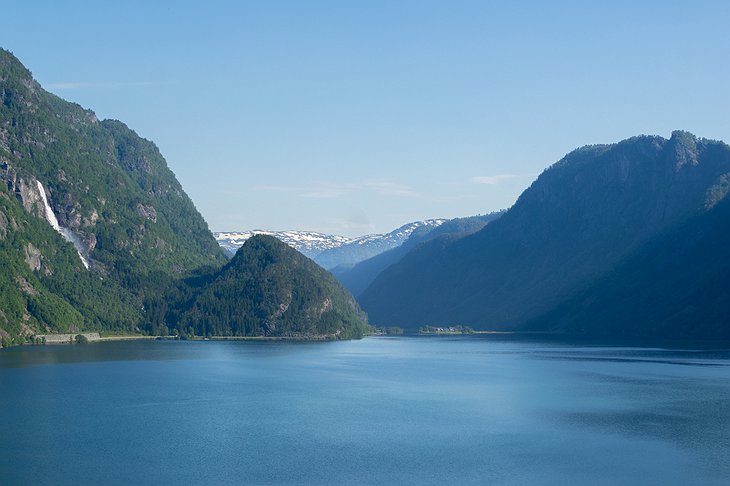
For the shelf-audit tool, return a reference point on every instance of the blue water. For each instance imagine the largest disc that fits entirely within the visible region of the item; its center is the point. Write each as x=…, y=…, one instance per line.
x=472, y=410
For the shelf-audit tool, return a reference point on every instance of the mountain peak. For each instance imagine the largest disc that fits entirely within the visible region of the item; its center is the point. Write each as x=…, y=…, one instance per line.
x=10, y=63
x=330, y=250
x=364, y=247
x=683, y=136
x=270, y=289
x=309, y=243
x=683, y=148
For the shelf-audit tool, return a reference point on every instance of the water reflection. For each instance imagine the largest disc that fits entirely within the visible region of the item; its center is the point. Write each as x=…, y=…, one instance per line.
x=456, y=410
x=143, y=350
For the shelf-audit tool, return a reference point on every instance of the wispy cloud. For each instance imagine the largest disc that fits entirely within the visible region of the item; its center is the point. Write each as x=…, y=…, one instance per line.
x=331, y=190
x=113, y=84
x=493, y=179
x=62, y=86
x=497, y=179
x=322, y=190
x=325, y=192
x=391, y=188
x=270, y=188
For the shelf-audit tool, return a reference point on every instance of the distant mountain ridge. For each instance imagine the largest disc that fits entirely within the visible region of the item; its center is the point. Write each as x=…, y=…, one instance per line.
x=580, y=220
x=309, y=243
x=357, y=278
x=368, y=246
x=330, y=251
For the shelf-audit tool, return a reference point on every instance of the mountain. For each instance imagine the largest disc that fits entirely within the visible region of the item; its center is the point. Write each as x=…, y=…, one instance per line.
x=92, y=220
x=579, y=221
x=331, y=251
x=270, y=289
x=357, y=278
x=341, y=251
x=96, y=233
x=309, y=243
x=368, y=246
x=676, y=285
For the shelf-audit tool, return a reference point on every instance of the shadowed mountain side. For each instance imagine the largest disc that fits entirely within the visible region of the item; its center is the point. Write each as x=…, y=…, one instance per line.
x=675, y=286
x=364, y=247
x=576, y=222
x=357, y=278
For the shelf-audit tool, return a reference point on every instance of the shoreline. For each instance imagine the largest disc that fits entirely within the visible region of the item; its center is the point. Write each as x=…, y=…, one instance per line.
x=96, y=338
x=460, y=333
x=266, y=338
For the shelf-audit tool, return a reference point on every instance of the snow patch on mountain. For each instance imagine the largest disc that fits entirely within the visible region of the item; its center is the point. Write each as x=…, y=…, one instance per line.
x=309, y=243
x=329, y=250
x=364, y=247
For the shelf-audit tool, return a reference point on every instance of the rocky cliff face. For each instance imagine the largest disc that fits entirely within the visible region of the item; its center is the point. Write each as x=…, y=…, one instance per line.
x=98, y=186
x=97, y=177
x=26, y=191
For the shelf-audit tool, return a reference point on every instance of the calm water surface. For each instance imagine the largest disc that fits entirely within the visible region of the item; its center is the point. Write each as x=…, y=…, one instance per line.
x=478, y=410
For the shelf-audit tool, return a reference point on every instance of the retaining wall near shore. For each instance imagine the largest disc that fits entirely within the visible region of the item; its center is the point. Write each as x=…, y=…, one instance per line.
x=67, y=338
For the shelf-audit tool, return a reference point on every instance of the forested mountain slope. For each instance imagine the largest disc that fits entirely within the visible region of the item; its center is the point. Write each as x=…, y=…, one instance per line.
x=96, y=233
x=579, y=220
x=675, y=285
x=269, y=289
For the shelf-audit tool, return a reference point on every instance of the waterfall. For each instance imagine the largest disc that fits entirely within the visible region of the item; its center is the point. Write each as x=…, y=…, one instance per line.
x=67, y=234
x=50, y=215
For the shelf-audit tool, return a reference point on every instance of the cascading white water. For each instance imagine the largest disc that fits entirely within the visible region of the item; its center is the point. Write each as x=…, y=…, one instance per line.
x=50, y=215
x=67, y=234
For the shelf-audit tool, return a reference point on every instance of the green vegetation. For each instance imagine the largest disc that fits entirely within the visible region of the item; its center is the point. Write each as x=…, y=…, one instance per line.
x=154, y=265
x=59, y=294
x=108, y=186
x=267, y=289
x=387, y=331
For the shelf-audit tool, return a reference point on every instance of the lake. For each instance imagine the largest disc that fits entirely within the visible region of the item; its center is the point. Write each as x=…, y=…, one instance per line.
x=382, y=410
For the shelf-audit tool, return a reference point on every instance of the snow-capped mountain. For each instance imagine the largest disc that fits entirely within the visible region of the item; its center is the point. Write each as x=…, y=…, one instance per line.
x=364, y=247
x=309, y=243
x=331, y=251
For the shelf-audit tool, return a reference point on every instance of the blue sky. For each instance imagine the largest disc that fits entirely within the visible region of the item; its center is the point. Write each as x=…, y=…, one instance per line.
x=353, y=117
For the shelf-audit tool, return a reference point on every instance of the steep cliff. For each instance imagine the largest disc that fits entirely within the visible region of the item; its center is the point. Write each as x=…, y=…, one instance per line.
x=89, y=210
